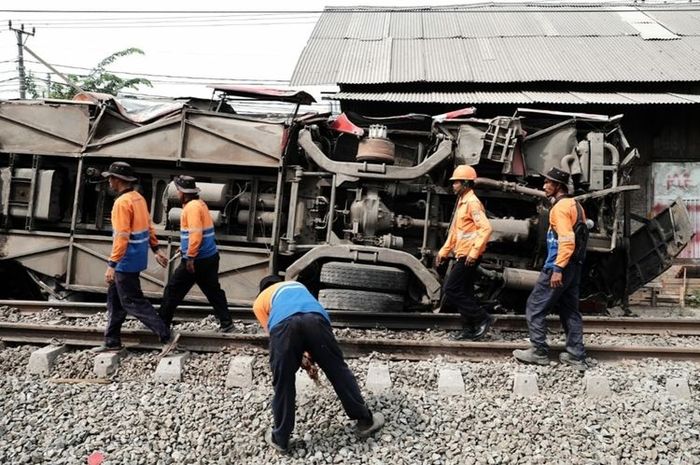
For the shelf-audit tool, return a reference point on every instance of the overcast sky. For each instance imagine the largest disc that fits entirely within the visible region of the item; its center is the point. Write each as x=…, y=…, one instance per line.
x=210, y=47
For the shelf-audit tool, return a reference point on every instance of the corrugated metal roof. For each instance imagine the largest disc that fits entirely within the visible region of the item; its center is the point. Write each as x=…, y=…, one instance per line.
x=524, y=97
x=497, y=44
x=684, y=24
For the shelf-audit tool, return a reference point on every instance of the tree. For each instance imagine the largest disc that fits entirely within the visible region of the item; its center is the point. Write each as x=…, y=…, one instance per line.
x=97, y=80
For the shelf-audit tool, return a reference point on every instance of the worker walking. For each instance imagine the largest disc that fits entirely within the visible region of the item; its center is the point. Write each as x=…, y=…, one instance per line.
x=132, y=234
x=300, y=336
x=558, y=284
x=469, y=233
x=200, y=257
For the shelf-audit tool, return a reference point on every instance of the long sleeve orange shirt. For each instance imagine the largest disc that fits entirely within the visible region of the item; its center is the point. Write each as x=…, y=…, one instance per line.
x=132, y=233
x=470, y=229
x=561, y=240
x=197, y=231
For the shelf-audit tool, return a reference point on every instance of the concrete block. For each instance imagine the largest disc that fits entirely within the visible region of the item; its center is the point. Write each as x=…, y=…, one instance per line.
x=240, y=371
x=106, y=364
x=42, y=360
x=378, y=378
x=170, y=368
x=597, y=386
x=306, y=387
x=678, y=387
x=525, y=385
x=450, y=382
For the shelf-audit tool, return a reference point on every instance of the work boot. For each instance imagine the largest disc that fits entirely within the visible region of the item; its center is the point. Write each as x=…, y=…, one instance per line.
x=483, y=329
x=226, y=327
x=467, y=334
x=531, y=355
x=567, y=358
x=271, y=442
x=365, y=427
x=170, y=344
x=105, y=348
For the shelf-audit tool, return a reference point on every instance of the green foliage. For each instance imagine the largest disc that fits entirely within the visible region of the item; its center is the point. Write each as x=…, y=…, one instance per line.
x=97, y=80
x=30, y=85
x=693, y=300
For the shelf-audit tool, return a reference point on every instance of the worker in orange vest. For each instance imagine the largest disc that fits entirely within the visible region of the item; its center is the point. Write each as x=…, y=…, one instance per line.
x=301, y=336
x=469, y=233
x=200, y=257
x=557, y=287
x=133, y=234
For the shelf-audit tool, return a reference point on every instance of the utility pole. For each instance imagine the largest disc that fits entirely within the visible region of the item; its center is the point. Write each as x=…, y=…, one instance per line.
x=20, y=56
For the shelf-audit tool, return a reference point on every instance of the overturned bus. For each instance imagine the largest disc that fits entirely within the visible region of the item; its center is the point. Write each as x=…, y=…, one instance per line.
x=353, y=206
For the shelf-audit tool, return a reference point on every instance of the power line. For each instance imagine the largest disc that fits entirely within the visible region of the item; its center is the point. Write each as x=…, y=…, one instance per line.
x=510, y=7
x=171, y=18
x=113, y=22
x=168, y=24
x=164, y=75
x=172, y=24
x=178, y=20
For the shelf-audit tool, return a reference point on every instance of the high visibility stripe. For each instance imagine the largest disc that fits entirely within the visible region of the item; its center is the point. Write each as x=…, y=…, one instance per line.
x=284, y=287
x=138, y=241
x=465, y=235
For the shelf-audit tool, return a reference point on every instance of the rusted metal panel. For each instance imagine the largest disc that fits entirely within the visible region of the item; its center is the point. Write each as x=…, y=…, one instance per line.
x=240, y=272
x=200, y=137
x=240, y=269
x=158, y=140
x=266, y=93
x=90, y=255
x=237, y=141
x=42, y=252
x=41, y=128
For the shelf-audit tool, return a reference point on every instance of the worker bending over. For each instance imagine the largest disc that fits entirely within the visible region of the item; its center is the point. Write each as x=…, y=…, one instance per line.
x=300, y=335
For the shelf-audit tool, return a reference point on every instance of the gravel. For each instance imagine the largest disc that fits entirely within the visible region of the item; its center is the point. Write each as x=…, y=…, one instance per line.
x=55, y=316
x=199, y=421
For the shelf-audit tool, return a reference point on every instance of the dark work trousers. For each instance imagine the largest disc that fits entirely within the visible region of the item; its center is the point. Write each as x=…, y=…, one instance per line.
x=545, y=299
x=458, y=292
x=289, y=339
x=206, y=276
x=124, y=296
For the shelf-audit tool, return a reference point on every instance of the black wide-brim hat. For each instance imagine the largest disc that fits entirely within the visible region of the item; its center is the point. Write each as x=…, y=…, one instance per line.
x=121, y=170
x=557, y=175
x=186, y=185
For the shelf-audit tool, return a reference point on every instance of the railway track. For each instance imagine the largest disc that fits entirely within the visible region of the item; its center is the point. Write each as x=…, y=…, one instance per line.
x=23, y=333
x=400, y=321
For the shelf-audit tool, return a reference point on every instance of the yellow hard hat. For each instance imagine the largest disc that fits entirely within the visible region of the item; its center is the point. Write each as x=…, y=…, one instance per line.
x=463, y=173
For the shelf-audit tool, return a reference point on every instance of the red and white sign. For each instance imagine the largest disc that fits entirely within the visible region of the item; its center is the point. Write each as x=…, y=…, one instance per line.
x=674, y=180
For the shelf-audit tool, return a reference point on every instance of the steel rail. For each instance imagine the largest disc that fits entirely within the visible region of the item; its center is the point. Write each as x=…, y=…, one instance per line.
x=23, y=333
x=400, y=321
